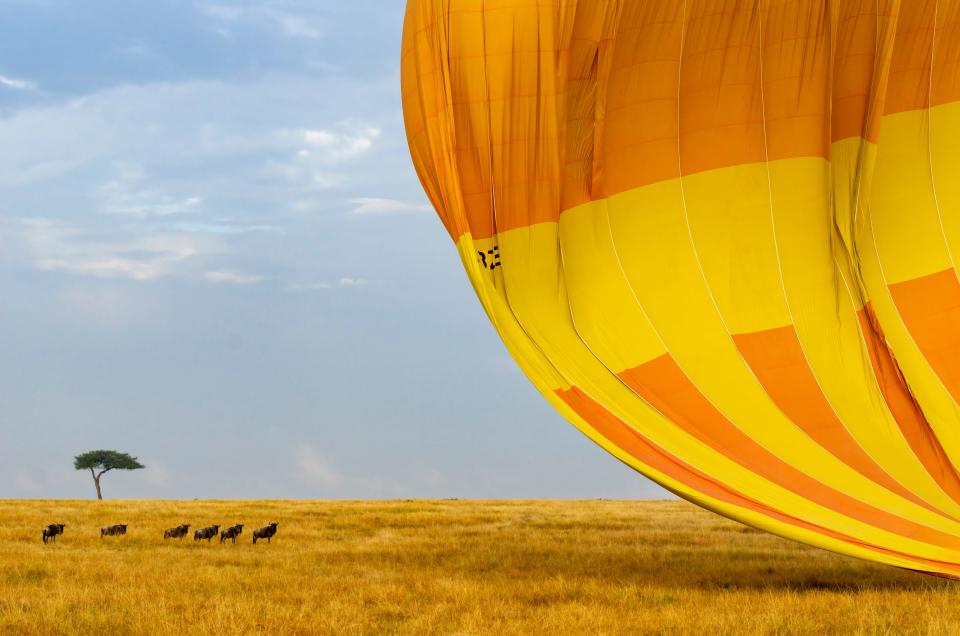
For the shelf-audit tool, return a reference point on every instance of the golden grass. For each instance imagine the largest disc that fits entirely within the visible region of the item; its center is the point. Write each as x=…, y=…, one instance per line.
x=451, y=567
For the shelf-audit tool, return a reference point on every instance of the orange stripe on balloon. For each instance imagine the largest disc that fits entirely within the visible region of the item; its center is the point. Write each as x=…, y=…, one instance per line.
x=722, y=116
x=644, y=450
x=861, y=58
x=906, y=412
x=663, y=384
x=930, y=308
x=640, y=120
x=796, y=70
x=913, y=85
x=777, y=360
x=624, y=128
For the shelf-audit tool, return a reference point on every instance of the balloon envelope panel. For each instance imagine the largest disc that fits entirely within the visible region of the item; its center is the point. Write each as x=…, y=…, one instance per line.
x=720, y=238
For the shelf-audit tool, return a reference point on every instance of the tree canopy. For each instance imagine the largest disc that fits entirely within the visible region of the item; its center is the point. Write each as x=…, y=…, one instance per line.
x=106, y=460
x=99, y=462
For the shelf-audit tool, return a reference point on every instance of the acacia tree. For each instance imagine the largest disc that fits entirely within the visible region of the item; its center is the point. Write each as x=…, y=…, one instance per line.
x=99, y=462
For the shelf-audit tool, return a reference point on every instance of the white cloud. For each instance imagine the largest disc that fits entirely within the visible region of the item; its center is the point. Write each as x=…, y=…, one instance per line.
x=344, y=282
x=291, y=24
x=312, y=470
x=214, y=227
x=232, y=278
x=375, y=206
x=119, y=197
x=314, y=156
x=16, y=83
x=326, y=144
x=191, y=130
x=317, y=137
x=104, y=268
x=157, y=181
x=58, y=246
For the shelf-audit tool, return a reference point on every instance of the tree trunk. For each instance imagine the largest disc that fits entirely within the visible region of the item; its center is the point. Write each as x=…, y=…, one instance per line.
x=96, y=482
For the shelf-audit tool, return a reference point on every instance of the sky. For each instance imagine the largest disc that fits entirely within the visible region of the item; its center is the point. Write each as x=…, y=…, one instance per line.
x=215, y=255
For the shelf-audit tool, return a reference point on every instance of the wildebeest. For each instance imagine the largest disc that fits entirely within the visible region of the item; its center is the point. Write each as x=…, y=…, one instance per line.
x=177, y=533
x=265, y=532
x=231, y=533
x=113, y=531
x=50, y=532
x=206, y=533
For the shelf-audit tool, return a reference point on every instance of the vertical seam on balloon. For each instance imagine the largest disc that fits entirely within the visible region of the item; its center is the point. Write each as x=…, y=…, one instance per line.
x=617, y=377
x=505, y=296
x=864, y=134
x=747, y=468
x=486, y=89
x=656, y=332
x=906, y=330
x=773, y=228
x=886, y=288
x=856, y=268
x=703, y=276
x=886, y=411
x=462, y=219
x=748, y=368
x=483, y=278
x=743, y=466
x=933, y=181
x=656, y=412
x=786, y=297
x=748, y=471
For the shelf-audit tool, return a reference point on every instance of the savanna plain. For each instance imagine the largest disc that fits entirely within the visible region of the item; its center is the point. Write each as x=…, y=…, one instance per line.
x=442, y=567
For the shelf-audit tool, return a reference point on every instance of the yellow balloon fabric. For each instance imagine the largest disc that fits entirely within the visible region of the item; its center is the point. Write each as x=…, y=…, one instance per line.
x=720, y=238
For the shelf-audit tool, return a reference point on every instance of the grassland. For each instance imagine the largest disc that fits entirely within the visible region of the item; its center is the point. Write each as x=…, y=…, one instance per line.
x=454, y=567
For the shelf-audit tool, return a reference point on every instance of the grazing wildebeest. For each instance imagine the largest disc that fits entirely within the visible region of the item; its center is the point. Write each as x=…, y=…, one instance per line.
x=50, y=532
x=231, y=533
x=113, y=531
x=206, y=533
x=265, y=532
x=177, y=533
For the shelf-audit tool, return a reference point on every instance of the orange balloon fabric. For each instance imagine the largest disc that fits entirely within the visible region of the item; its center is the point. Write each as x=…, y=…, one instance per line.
x=720, y=238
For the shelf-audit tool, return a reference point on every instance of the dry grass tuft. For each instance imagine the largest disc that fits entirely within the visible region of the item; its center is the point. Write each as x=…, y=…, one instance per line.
x=451, y=567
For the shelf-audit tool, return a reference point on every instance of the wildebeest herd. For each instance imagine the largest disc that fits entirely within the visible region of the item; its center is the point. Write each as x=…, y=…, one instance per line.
x=51, y=532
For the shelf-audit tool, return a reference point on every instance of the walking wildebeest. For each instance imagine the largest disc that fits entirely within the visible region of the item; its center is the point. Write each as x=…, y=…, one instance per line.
x=50, y=532
x=113, y=531
x=231, y=533
x=177, y=533
x=206, y=533
x=265, y=532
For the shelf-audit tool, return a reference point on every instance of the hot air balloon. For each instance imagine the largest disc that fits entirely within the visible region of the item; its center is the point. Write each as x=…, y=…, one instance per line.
x=720, y=238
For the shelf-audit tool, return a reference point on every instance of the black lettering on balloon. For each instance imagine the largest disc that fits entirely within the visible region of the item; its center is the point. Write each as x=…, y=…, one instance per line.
x=490, y=259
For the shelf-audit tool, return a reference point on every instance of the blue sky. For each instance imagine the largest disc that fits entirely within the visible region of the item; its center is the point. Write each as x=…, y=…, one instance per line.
x=215, y=255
